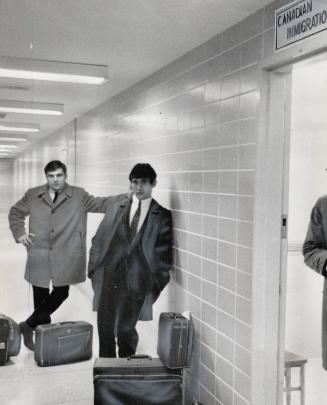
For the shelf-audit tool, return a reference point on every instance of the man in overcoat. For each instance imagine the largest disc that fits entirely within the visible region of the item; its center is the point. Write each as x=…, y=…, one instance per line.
x=315, y=256
x=129, y=263
x=56, y=241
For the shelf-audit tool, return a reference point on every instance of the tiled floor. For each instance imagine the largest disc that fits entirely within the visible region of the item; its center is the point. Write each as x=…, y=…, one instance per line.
x=22, y=382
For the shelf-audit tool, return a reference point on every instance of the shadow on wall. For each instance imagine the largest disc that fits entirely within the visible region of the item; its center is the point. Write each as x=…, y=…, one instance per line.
x=178, y=295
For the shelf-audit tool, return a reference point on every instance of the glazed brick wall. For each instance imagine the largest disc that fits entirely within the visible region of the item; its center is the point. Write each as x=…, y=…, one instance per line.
x=196, y=122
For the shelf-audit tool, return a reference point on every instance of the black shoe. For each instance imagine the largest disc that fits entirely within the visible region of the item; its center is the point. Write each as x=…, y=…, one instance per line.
x=4, y=334
x=27, y=333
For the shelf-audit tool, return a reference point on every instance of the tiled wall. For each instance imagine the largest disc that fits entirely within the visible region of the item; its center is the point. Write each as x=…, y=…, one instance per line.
x=195, y=121
x=6, y=184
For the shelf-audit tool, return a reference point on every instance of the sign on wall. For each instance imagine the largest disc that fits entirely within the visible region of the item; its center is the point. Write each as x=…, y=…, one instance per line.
x=298, y=20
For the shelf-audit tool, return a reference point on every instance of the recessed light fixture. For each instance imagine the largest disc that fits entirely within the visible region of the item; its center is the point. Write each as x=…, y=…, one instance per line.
x=66, y=72
x=10, y=139
x=17, y=127
x=24, y=107
x=8, y=147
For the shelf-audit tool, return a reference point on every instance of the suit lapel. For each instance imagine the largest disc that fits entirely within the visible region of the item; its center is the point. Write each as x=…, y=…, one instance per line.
x=150, y=220
x=61, y=198
x=45, y=196
x=125, y=221
x=47, y=199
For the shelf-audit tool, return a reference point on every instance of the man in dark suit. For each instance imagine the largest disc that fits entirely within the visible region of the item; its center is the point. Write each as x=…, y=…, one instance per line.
x=129, y=263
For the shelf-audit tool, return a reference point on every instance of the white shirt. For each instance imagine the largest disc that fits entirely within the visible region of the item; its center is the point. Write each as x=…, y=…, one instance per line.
x=145, y=205
x=53, y=193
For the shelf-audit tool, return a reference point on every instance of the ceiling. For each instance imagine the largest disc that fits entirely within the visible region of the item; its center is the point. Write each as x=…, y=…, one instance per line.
x=133, y=37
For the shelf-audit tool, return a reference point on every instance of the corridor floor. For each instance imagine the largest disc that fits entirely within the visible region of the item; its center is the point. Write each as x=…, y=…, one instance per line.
x=22, y=382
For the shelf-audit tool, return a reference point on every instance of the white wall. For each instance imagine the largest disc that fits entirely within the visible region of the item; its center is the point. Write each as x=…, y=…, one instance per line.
x=308, y=181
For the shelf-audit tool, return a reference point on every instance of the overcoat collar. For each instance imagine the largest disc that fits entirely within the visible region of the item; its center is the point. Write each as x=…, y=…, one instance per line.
x=68, y=190
x=43, y=193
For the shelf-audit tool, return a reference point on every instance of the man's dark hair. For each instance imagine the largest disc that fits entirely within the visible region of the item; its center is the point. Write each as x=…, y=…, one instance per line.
x=143, y=171
x=55, y=165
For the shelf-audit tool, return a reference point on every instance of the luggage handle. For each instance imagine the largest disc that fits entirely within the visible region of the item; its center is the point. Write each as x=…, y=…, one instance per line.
x=66, y=323
x=139, y=356
x=174, y=315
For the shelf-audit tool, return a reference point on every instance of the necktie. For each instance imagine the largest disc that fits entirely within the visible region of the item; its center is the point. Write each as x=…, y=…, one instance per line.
x=135, y=221
x=55, y=196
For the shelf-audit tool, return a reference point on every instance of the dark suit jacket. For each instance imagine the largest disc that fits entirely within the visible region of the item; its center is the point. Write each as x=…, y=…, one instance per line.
x=315, y=256
x=154, y=243
x=315, y=244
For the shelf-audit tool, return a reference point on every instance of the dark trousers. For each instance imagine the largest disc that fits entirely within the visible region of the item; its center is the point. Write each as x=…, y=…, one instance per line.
x=45, y=303
x=117, y=317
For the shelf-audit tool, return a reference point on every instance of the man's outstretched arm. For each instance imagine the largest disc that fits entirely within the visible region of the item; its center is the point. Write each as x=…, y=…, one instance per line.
x=101, y=204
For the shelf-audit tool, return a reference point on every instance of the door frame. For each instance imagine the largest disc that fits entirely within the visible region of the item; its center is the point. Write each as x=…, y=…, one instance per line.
x=269, y=247
x=271, y=194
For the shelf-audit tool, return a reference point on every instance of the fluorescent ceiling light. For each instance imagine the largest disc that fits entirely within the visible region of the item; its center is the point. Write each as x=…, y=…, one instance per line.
x=8, y=146
x=15, y=127
x=9, y=138
x=33, y=69
x=22, y=107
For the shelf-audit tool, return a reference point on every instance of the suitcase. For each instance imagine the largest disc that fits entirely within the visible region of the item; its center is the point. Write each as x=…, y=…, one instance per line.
x=175, y=338
x=10, y=338
x=14, y=338
x=4, y=334
x=63, y=343
x=137, y=380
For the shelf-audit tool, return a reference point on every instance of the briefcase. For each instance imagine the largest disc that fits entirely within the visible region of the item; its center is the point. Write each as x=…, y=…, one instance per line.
x=137, y=380
x=175, y=338
x=10, y=339
x=63, y=343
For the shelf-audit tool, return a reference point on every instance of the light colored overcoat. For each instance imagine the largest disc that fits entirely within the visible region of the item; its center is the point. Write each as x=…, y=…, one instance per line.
x=59, y=246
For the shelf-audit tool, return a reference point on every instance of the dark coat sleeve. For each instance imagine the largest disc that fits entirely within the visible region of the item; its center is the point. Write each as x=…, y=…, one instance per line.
x=17, y=215
x=100, y=204
x=163, y=252
x=314, y=247
x=97, y=247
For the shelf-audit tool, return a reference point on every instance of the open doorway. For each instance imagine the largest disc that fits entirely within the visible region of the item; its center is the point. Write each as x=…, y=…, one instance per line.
x=307, y=181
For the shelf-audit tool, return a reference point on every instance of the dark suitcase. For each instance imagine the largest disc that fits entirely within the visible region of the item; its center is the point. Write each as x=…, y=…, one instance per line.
x=175, y=338
x=63, y=343
x=4, y=333
x=137, y=380
x=14, y=338
x=10, y=339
